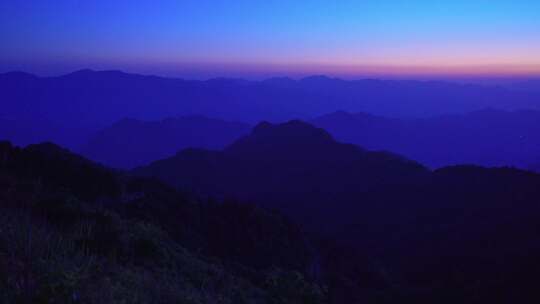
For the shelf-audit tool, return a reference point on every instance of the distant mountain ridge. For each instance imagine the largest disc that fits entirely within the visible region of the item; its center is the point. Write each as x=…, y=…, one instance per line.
x=130, y=142
x=486, y=137
x=99, y=98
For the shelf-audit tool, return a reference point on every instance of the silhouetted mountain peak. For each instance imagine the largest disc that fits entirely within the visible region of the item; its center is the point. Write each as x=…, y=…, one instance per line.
x=85, y=74
x=293, y=140
x=280, y=81
x=262, y=126
x=53, y=152
x=47, y=148
x=317, y=78
x=83, y=71
x=224, y=81
x=294, y=129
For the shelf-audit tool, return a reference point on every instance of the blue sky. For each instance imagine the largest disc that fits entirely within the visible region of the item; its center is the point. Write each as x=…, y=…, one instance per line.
x=243, y=38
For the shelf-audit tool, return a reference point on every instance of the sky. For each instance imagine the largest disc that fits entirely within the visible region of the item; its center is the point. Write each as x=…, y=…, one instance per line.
x=204, y=39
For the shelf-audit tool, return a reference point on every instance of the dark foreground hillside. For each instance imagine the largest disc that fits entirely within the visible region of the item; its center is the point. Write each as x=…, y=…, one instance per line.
x=75, y=232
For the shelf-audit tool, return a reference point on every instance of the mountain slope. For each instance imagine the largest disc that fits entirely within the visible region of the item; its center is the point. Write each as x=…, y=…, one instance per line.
x=487, y=137
x=462, y=234
x=129, y=143
x=71, y=229
x=292, y=166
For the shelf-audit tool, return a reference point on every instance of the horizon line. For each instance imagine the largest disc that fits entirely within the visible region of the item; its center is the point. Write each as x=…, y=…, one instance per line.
x=301, y=76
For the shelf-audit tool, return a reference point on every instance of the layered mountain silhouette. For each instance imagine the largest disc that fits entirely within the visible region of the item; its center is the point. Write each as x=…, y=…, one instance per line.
x=457, y=234
x=92, y=100
x=292, y=166
x=487, y=137
x=286, y=213
x=440, y=228
x=129, y=142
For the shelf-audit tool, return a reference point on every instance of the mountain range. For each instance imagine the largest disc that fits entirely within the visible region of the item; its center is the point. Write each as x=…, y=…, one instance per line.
x=439, y=229
x=129, y=143
x=371, y=226
x=92, y=100
x=487, y=137
x=292, y=165
x=344, y=208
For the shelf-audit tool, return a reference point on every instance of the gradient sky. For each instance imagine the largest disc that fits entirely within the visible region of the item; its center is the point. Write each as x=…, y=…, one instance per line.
x=202, y=38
